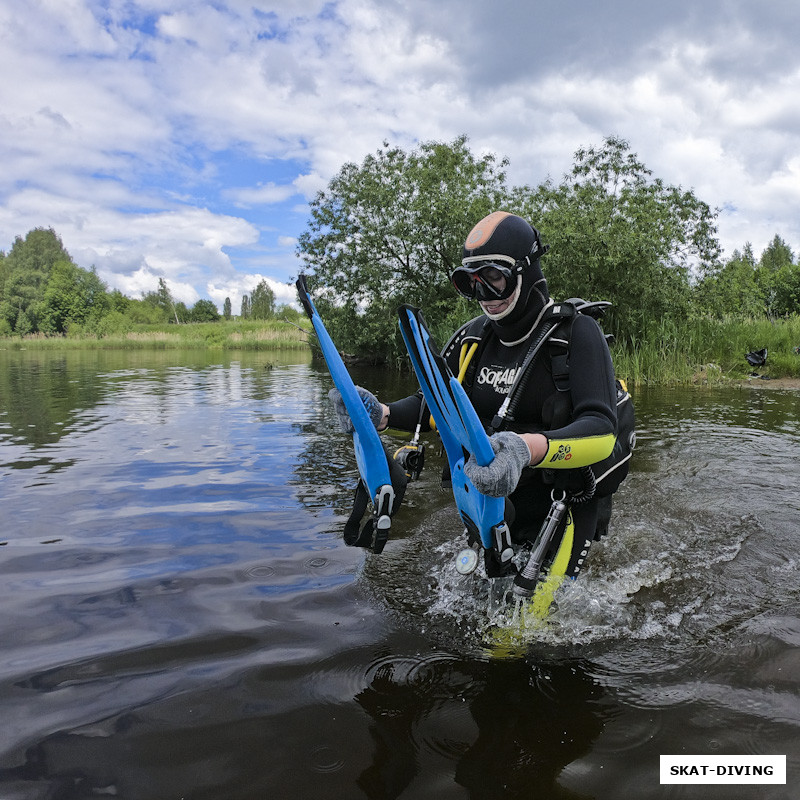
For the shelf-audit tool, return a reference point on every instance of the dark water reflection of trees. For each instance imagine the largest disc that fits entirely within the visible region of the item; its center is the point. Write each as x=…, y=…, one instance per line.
x=46, y=396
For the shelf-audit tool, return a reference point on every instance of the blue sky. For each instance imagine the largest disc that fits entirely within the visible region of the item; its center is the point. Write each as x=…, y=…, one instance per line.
x=184, y=140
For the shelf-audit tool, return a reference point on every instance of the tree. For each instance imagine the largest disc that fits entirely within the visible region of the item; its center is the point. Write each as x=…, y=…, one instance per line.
x=24, y=275
x=23, y=324
x=245, y=313
x=775, y=278
x=619, y=234
x=204, y=311
x=144, y=312
x=165, y=299
x=162, y=299
x=732, y=289
x=8, y=315
x=37, y=252
x=777, y=254
x=392, y=227
x=289, y=313
x=3, y=272
x=226, y=308
x=262, y=302
x=182, y=313
x=73, y=295
x=787, y=290
x=118, y=301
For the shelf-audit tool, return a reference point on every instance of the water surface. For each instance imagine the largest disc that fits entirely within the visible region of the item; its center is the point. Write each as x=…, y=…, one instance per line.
x=181, y=618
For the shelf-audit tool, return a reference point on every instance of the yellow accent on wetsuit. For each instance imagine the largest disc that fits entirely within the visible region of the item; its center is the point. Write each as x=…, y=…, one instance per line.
x=510, y=641
x=571, y=453
x=539, y=604
x=464, y=357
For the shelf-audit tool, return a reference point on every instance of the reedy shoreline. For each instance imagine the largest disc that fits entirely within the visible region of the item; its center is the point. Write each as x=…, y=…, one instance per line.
x=702, y=351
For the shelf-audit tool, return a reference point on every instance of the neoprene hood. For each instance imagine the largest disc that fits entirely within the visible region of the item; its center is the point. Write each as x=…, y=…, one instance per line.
x=510, y=239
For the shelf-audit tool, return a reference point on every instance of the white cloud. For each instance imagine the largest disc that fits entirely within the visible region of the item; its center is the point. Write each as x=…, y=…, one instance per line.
x=114, y=119
x=132, y=250
x=260, y=194
x=146, y=280
x=236, y=288
x=312, y=183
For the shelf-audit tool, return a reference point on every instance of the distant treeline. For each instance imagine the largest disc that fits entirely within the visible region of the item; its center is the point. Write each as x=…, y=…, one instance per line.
x=42, y=290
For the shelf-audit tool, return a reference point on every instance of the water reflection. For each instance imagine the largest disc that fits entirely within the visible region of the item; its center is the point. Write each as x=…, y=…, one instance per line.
x=195, y=627
x=510, y=727
x=417, y=725
x=42, y=397
x=64, y=383
x=48, y=400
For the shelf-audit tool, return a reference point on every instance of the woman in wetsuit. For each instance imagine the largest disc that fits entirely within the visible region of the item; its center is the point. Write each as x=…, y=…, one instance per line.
x=554, y=433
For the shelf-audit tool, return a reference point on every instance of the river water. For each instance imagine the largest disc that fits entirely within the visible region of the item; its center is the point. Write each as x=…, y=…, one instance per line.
x=180, y=618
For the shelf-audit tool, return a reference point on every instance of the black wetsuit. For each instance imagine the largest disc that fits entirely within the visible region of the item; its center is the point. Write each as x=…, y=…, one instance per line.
x=579, y=424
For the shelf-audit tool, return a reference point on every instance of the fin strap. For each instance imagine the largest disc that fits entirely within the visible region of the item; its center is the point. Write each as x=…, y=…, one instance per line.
x=370, y=535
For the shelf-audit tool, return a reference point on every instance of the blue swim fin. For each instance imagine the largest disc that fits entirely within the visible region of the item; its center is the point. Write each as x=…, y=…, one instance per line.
x=462, y=435
x=375, y=466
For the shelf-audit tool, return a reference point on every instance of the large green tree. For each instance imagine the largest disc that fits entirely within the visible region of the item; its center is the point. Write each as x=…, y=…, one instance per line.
x=748, y=287
x=391, y=227
x=73, y=296
x=617, y=233
x=24, y=275
x=777, y=278
x=776, y=255
x=162, y=299
x=786, y=285
x=42, y=289
x=732, y=289
x=204, y=311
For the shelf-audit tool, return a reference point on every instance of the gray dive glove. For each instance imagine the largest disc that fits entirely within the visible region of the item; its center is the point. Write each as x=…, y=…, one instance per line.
x=500, y=478
x=369, y=400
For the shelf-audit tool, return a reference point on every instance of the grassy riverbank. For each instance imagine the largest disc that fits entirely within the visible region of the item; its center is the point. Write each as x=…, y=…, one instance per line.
x=709, y=351
x=260, y=335
x=698, y=351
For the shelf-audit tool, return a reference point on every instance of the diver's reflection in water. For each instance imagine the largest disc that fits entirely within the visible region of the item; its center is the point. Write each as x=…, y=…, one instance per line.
x=508, y=727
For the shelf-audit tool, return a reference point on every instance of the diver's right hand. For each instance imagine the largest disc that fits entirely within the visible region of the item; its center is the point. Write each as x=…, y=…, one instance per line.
x=500, y=477
x=374, y=408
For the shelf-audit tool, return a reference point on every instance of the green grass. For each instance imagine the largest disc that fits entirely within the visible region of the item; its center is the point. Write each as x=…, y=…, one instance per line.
x=704, y=350
x=269, y=335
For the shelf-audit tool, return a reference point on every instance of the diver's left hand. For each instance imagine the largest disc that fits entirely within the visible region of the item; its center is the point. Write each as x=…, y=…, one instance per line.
x=500, y=477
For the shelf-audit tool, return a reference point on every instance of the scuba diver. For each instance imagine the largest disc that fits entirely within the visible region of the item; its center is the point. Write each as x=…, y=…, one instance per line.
x=564, y=397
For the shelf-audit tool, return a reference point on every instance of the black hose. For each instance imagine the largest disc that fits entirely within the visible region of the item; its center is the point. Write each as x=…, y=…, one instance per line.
x=524, y=375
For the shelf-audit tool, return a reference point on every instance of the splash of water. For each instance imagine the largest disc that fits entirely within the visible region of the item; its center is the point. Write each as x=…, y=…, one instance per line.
x=641, y=584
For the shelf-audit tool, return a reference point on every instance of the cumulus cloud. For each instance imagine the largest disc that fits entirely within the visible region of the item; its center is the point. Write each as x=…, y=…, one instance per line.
x=131, y=250
x=176, y=139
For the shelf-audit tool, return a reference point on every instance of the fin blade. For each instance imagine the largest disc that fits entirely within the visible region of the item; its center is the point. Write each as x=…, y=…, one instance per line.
x=457, y=423
x=369, y=450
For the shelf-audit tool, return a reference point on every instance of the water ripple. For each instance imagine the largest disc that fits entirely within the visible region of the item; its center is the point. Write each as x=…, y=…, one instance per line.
x=326, y=759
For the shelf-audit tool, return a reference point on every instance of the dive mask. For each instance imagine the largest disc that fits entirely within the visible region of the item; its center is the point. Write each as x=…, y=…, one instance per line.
x=485, y=280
